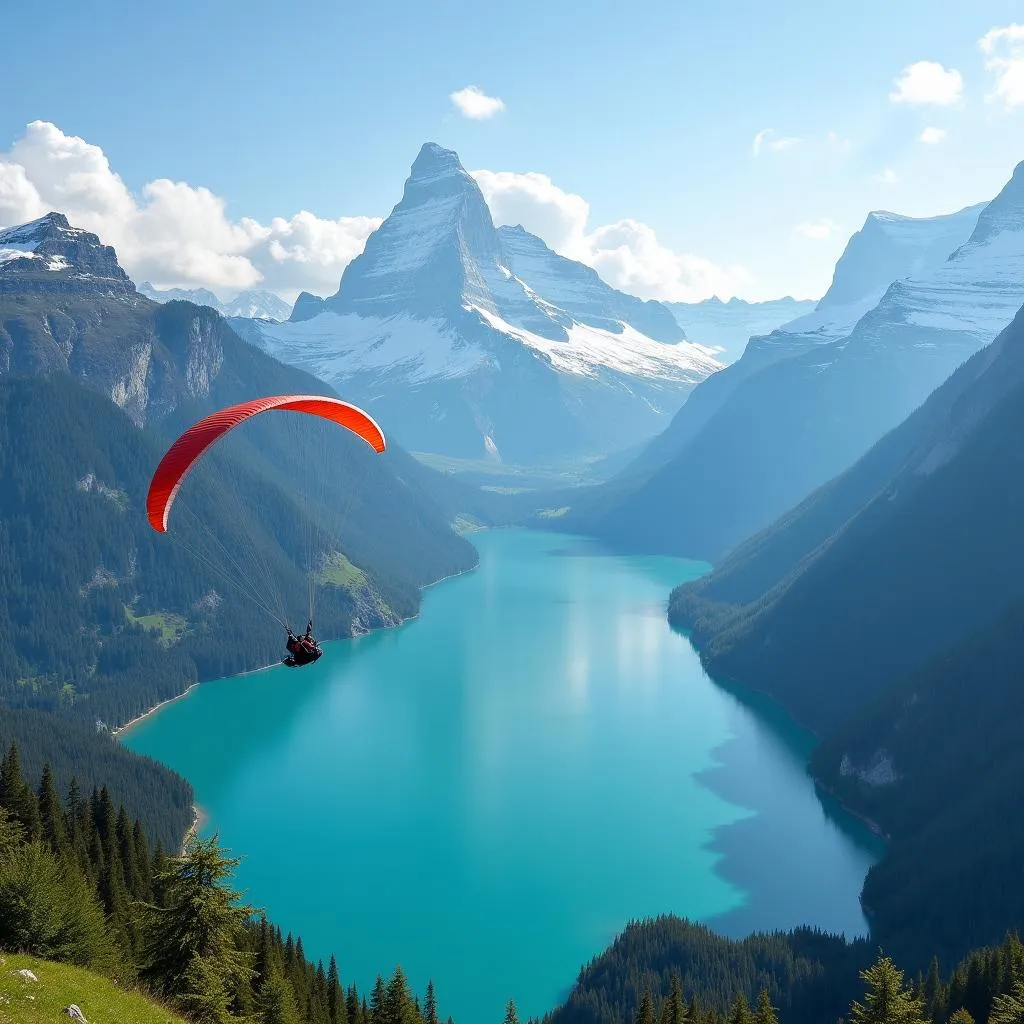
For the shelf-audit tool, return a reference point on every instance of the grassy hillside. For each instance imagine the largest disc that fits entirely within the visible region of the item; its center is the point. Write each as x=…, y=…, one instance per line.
x=59, y=986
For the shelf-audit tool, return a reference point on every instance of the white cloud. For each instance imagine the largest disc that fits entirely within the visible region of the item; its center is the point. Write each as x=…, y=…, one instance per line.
x=818, y=231
x=1004, y=57
x=173, y=234
x=886, y=177
x=627, y=254
x=776, y=145
x=928, y=83
x=178, y=235
x=475, y=104
x=932, y=136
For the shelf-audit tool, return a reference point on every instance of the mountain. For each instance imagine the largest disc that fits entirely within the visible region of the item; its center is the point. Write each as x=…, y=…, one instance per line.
x=579, y=291
x=477, y=343
x=95, y=380
x=724, y=327
x=933, y=510
x=800, y=418
x=887, y=612
x=255, y=305
x=887, y=244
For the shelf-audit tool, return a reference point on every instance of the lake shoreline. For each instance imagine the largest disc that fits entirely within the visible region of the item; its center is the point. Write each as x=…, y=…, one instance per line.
x=737, y=688
x=572, y=658
x=199, y=816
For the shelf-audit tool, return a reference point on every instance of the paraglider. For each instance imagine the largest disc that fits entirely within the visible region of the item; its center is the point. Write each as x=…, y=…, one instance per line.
x=185, y=452
x=302, y=650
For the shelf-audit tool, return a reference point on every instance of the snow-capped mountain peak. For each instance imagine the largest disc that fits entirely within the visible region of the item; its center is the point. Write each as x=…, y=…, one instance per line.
x=438, y=245
x=488, y=325
x=48, y=253
x=1005, y=214
x=253, y=304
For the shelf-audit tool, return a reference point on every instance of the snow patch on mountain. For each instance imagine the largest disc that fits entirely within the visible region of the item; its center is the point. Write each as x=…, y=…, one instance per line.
x=588, y=350
x=336, y=346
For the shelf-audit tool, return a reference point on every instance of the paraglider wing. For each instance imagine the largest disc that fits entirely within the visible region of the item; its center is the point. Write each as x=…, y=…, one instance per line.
x=182, y=455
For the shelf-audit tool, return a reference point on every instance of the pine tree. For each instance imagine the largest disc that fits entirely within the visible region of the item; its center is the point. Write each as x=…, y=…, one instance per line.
x=276, y=1000
x=51, y=814
x=886, y=1001
x=765, y=1012
x=931, y=992
x=378, y=1003
x=48, y=909
x=673, y=1010
x=645, y=1011
x=12, y=782
x=335, y=996
x=739, y=1011
x=1009, y=1007
x=693, y=1010
x=398, y=1008
x=192, y=942
x=352, y=1006
x=961, y=1017
x=430, y=1009
x=142, y=865
x=511, y=1017
x=12, y=832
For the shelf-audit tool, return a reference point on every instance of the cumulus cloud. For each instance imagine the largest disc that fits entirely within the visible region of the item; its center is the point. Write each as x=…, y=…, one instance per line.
x=173, y=234
x=475, y=104
x=932, y=136
x=1004, y=57
x=818, y=231
x=761, y=140
x=928, y=83
x=179, y=235
x=627, y=254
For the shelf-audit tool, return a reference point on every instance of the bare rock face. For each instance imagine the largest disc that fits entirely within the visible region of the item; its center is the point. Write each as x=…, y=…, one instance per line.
x=75, y=1013
x=48, y=255
x=66, y=306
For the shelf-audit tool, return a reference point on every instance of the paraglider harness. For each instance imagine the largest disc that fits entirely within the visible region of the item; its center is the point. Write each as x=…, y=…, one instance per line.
x=302, y=650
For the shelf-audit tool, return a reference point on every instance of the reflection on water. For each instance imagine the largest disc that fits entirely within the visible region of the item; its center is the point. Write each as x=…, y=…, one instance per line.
x=529, y=765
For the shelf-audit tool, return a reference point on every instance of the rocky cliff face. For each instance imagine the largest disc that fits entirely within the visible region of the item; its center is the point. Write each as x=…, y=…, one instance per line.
x=66, y=306
x=50, y=256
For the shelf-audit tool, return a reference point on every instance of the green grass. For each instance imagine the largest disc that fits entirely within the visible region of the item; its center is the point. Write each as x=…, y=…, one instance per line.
x=340, y=572
x=463, y=524
x=59, y=985
x=171, y=627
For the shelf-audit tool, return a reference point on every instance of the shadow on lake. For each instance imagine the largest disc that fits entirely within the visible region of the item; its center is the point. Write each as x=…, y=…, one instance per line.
x=777, y=863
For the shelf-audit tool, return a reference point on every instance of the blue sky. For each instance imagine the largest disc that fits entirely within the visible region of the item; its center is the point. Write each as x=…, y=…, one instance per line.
x=647, y=111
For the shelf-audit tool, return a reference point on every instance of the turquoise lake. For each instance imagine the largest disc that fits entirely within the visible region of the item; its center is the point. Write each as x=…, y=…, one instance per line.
x=488, y=794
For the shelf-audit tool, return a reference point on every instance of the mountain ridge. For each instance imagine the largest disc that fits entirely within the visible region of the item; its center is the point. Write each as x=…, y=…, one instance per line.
x=788, y=426
x=432, y=327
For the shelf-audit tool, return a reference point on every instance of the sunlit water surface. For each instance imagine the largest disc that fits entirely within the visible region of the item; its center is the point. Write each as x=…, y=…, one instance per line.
x=488, y=794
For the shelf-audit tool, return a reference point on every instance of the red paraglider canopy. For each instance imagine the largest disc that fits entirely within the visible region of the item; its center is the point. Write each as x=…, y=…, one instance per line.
x=182, y=455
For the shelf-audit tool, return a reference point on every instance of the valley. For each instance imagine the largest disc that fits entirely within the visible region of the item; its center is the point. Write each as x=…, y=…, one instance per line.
x=662, y=623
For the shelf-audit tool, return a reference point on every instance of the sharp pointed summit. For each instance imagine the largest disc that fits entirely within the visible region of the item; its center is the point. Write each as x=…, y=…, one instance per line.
x=481, y=342
x=434, y=161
